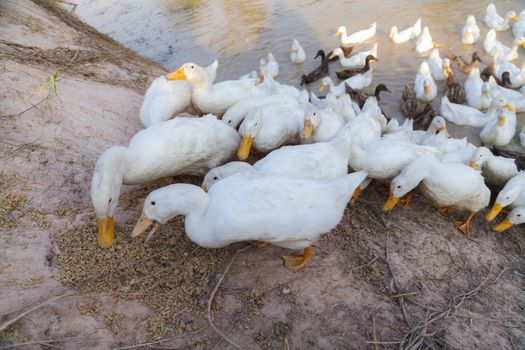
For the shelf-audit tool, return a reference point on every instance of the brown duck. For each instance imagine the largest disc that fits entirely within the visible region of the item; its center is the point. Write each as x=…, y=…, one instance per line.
x=360, y=96
x=348, y=73
x=454, y=90
x=489, y=72
x=463, y=65
x=421, y=113
x=319, y=72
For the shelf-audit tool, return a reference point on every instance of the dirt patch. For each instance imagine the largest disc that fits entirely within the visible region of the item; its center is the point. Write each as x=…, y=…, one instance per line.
x=377, y=280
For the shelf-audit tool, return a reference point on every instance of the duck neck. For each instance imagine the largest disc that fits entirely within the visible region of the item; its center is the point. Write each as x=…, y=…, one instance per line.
x=193, y=205
x=418, y=170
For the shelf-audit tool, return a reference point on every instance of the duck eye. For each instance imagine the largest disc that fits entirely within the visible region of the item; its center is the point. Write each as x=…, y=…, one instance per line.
x=229, y=121
x=152, y=203
x=398, y=186
x=192, y=67
x=110, y=200
x=215, y=177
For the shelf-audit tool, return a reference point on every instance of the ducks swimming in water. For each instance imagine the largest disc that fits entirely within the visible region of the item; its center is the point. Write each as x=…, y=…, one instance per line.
x=406, y=34
x=356, y=37
x=297, y=54
x=494, y=21
x=319, y=72
x=424, y=85
x=424, y=42
x=348, y=73
x=356, y=60
x=470, y=32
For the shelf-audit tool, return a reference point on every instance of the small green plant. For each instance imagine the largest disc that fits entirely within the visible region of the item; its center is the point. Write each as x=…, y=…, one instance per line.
x=50, y=81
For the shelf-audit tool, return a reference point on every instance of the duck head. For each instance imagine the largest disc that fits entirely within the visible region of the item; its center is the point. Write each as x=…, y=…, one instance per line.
x=223, y=171
x=480, y=157
x=476, y=57
x=511, y=15
x=105, y=191
x=248, y=130
x=379, y=89
x=393, y=32
x=437, y=125
x=191, y=72
x=515, y=217
x=341, y=31
x=325, y=82
x=166, y=203
x=506, y=197
x=311, y=122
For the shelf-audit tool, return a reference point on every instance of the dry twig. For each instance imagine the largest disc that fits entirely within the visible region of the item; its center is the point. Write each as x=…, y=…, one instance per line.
x=212, y=296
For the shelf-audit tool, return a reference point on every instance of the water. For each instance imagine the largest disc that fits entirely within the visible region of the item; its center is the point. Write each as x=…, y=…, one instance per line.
x=239, y=33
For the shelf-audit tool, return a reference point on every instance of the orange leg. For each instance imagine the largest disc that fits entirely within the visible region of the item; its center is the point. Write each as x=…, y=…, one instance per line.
x=403, y=203
x=298, y=262
x=259, y=244
x=356, y=195
x=444, y=210
x=465, y=226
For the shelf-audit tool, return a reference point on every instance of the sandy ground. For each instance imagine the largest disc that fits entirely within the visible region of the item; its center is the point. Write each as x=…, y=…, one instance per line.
x=405, y=276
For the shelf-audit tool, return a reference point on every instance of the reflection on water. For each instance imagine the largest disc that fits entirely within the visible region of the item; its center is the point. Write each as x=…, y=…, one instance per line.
x=240, y=32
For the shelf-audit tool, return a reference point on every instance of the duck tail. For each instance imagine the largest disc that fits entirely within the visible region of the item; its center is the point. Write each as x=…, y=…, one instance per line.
x=353, y=181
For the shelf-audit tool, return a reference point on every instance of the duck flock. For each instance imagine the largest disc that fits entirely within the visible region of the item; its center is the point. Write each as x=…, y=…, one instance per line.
x=322, y=152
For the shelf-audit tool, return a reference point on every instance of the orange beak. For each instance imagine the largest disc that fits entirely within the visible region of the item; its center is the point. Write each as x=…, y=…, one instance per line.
x=177, y=75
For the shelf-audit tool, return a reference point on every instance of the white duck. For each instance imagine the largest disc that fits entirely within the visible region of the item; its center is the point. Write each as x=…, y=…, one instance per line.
x=462, y=114
x=178, y=146
x=269, y=66
x=343, y=105
x=516, y=97
x=321, y=125
x=236, y=113
x=322, y=160
x=477, y=91
x=297, y=54
x=512, y=194
x=287, y=212
x=355, y=61
x=357, y=82
x=518, y=29
x=493, y=47
x=166, y=98
x=269, y=127
x=515, y=217
x=495, y=169
x=213, y=98
x=500, y=131
x=406, y=34
x=424, y=85
x=495, y=21
x=425, y=42
x=356, y=37
x=384, y=159
x=438, y=67
x=446, y=185
x=366, y=128
x=470, y=32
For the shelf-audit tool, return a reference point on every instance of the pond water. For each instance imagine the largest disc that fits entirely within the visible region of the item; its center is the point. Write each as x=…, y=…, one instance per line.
x=239, y=33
